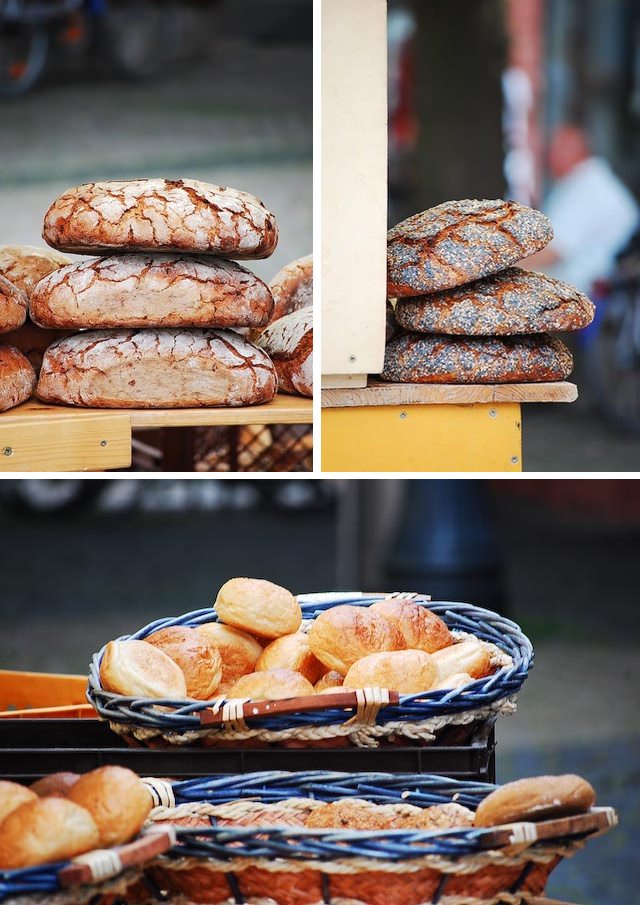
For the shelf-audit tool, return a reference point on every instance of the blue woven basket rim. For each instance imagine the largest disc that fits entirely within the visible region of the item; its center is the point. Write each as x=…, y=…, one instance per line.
x=183, y=714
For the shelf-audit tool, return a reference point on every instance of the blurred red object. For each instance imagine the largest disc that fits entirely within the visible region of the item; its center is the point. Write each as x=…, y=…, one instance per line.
x=610, y=501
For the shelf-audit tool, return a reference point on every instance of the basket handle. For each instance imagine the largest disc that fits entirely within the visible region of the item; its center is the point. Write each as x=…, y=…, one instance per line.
x=219, y=714
x=100, y=865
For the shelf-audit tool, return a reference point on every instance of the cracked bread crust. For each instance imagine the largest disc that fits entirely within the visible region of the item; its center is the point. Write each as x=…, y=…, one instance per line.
x=156, y=369
x=151, y=291
x=17, y=378
x=13, y=306
x=289, y=344
x=26, y=265
x=416, y=358
x=292, y=287
x=514, y=301
x=33, y=341
x=460, y=241
x=180, y=215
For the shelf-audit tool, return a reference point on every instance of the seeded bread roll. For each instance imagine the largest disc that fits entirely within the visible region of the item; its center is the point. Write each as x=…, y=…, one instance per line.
x=258, y=606
x=344, y=634
x=26, y=265
x=197, y=657
x=44, y=830
x=239, y=651
x=420, y=628
x=514, y=301
x=156, y=369
x=289, y=344
x=460, y=241
x=17, y=378
x=537, y=798
x=292, y=287
x=12, y=796
x=13, y=306
x=117, y=800
x=55, y=784
x=292, y=652
x=137, y=669
x=151, y=291
x=272, y=685
x=406, y=671
x=182, y=215
x=419, y=358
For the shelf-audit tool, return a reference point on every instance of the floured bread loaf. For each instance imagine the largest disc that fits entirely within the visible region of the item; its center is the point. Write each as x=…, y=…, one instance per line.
x=156, y=369
x=26, y=265
x=160, y=215
x=289, y=343
x=151, y=291
x=17, y=378
x=13, y=306
x=292, y=287
x=33, y=341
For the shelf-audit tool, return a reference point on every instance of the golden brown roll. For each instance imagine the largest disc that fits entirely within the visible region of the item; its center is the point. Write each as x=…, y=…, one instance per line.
x=537, y=798
x=12, y=796
x=333, y=689
x=420, y=628
x=137, y=669
x=470, y=656
x=331, y=679
x=55, y=784
x=455, y=681
x=406, y=671
x=197, y=657
x=258, y=606
x=344, y=634
x=46, y=829
x=292, y=652
x=272, y=685
x=238, y=650
x=358, y=814
x=117, y=800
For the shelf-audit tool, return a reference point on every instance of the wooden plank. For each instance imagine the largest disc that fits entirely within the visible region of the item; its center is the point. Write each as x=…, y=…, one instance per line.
x=332, y=381
x=282, y=410
x=379, y=393
x=354, y=186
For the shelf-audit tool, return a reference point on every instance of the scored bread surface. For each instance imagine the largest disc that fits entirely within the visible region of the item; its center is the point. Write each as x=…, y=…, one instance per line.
x=460, y=241
x=13, y=306
x=289, y=343
x=17, y=378
x=292, y=287
x=25, y=265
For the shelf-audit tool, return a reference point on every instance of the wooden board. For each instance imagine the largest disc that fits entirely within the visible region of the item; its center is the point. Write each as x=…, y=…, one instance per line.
x=379, y=393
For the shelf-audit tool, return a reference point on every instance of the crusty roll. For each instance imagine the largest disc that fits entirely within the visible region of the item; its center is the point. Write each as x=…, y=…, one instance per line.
x=289, y=344
x=13, y=306
x=137, y=669
x=17, y=378
x=117, y=800
x=406, y=671
x=33, y=341
x=455, y=681
x=238, y=650
x=272, y=685
x=258, y=606
x=420, y=628
x=46, y=829
x=58, y=784
x=537, y=798
x=12, y=796
x=292, y=287
x=358, y=814
x=331, y=679
x=292, y=652
x=197, y=657
x=26, y=265
x=344, y=634
x=470, y=656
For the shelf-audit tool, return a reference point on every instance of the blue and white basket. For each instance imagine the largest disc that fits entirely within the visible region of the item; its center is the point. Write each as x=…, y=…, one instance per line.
x=417, y=718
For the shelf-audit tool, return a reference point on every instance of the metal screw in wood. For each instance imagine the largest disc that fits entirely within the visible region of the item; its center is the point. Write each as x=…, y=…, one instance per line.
x=7, y=451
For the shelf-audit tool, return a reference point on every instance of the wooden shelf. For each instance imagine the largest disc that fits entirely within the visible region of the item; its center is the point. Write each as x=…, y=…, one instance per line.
x=379, y=393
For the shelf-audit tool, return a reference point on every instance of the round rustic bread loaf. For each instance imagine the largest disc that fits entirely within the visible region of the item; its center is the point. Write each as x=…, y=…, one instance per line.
x=182, y=215
x=292, y=287
x=33, y=341
x=271, y=685
x=289, y=344
x=26, y=265
x=406, y=671
x=460, y=241
x=44, y=830
x=140, y=670
x=197, y=656
x=17, y=378
x=514, y=301
x=420, y=358
x=117, y=800
x=258, y=606
x=343, y=634
x=151, y=291
x=13, y=306
x=239, y=651
x=156, y=369
x=292, y=652
x=536, y=798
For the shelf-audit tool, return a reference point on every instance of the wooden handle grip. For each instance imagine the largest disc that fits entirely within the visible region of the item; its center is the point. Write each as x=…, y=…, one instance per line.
x=134, y=853
x=291, y=705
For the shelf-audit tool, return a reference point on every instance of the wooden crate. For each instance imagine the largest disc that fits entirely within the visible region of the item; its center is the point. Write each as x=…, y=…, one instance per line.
x=39, y=695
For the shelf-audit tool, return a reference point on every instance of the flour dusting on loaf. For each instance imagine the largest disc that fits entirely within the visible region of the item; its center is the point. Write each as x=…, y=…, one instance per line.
x=289, y=342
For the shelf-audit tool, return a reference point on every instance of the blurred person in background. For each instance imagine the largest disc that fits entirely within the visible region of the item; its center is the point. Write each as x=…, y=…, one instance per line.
x=593, y=213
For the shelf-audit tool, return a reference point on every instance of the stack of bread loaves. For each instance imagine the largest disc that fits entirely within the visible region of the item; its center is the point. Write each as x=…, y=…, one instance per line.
x=471, y=316
x=260, y=651
x=165, y=277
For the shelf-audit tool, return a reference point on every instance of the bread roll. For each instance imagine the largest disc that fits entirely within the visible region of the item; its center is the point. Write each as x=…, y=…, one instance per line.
x=470, y=656
x=12, y=796
x=55, y=784
x=33, y=341
x=239, y=651
x=331, y=679
x=160, y=215
x=292, y=652
x=292, y=287
x=117, y=800
x=13, y=306
x=156, y=369
x=26, y=265
x=17, y=378
x=197, y=657
x=258, y=606
x=44, y=830
x=420, y=628
x=457, y=680
x=446, y=816
x=538, y=798
x=406, y=671
x=460, y=241
x=140, y=670
x=151, y=291
x=289, y=344
x=272, y=685
x=344, y=634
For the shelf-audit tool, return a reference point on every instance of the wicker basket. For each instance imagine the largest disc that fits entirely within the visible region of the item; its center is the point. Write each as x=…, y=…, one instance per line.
x=242, y=839
x=373, y=720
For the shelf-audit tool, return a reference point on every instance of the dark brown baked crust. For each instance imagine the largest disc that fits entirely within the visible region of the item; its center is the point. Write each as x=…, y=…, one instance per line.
x=460, y=241
x=13, y=306
x=33, y=341
x=17, y=378
x=292, y=287
x=511, y=302
x=289, y=344
x=419, y=358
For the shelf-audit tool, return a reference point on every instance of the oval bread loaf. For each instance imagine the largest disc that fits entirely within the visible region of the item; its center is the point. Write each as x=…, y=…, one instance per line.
x=118, y=801
x=514, y=301
x=258, y=606
x=406, y=671
x=420, y=628
x=12, y=796
x=26, y=265
x=289, y=344
x=140, y=670
x=419, y=358
x=344, y=634
x=292, y=287
x=156, y=369
x=460, y=241
x=272, y=685
x=537, y=798
x=17, y=378
x=33, y=341
x=46, y=829
x=151, y=291
x=182, y=215
x=198, y=658
x=238, y=650
x=13, y=306
x=292, y=652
